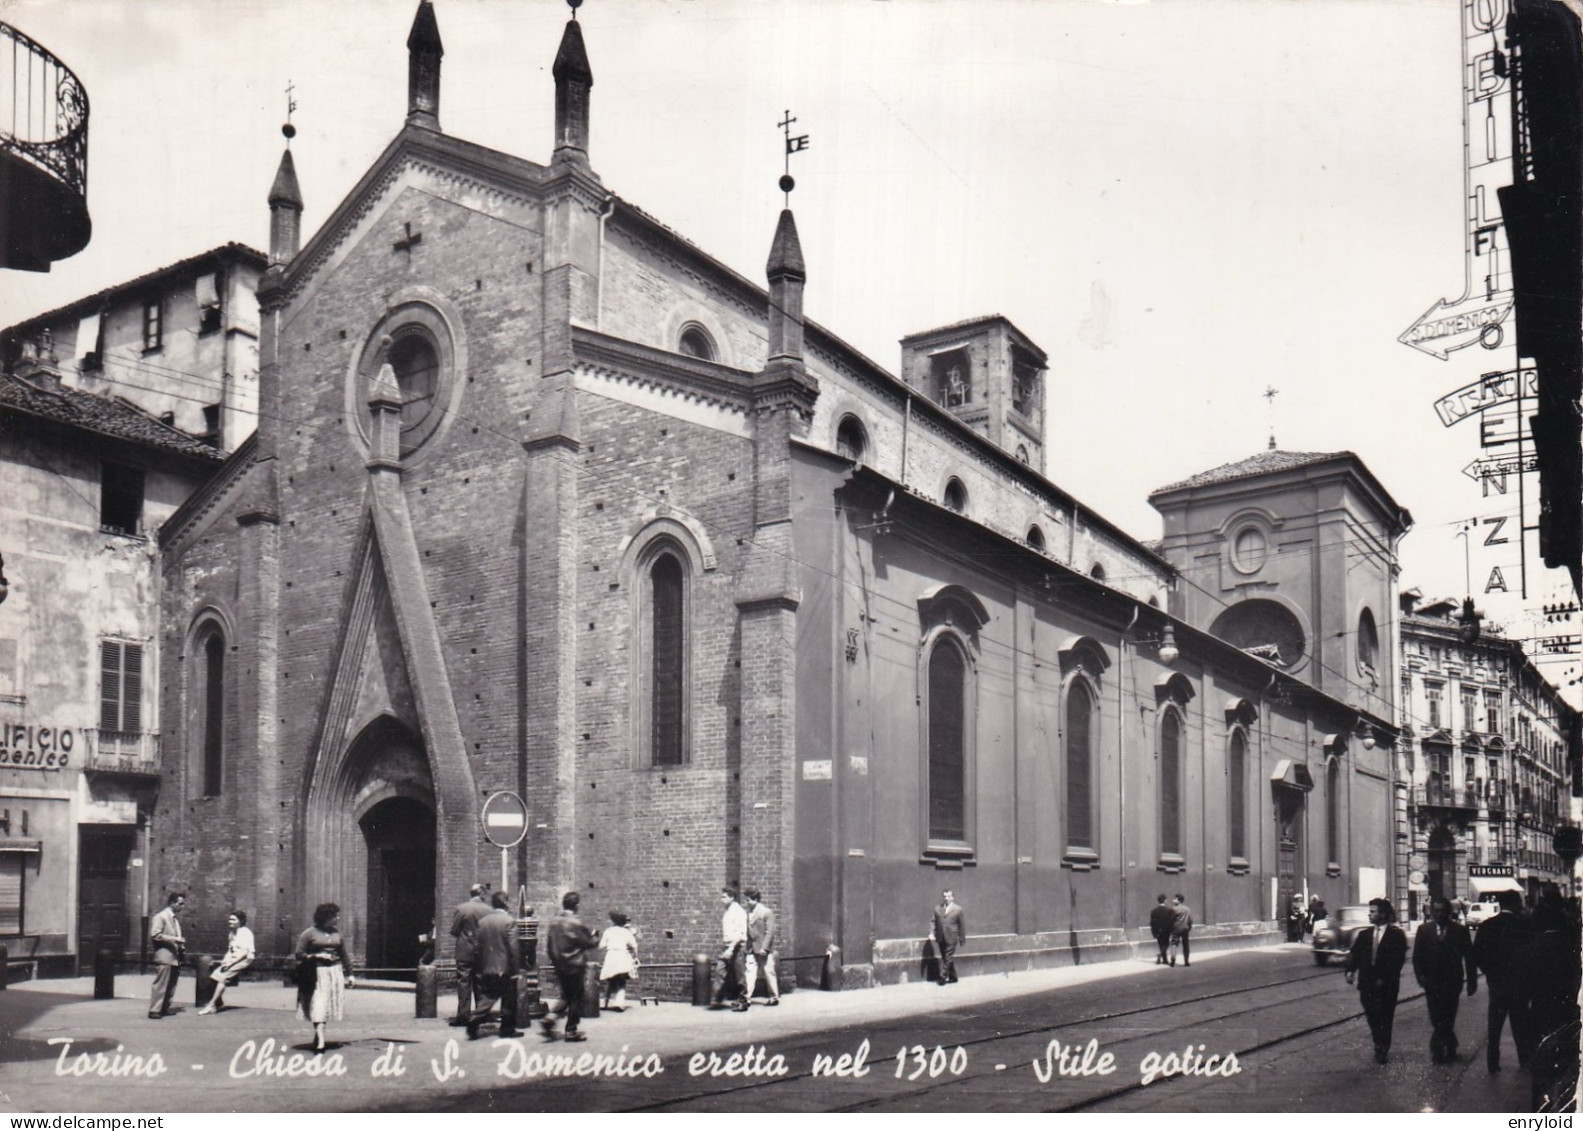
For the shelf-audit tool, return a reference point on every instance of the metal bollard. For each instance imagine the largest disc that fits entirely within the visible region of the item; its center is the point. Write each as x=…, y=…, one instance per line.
x=104, y=975
x=203, y=965
x=830, y=977
x=5, y=971
x=701, y=992
x=592, y=988
x=426, y=997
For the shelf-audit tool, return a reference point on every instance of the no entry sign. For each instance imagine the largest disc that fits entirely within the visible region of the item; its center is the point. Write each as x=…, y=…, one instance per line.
x=505, y=819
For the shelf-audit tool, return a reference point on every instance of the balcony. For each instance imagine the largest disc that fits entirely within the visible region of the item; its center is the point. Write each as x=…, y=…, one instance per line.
x=43, y=156
x=128, y=755
x=1434, y=796
x=1497, y=797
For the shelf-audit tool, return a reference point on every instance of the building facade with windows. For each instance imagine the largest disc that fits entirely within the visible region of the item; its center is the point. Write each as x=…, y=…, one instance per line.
x=1488, y=759
x=566, y=507
x=88, y=479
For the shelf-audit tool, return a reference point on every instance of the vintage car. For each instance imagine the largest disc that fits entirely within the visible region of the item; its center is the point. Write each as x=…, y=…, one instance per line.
x=1478, y=912
x=1333, y=935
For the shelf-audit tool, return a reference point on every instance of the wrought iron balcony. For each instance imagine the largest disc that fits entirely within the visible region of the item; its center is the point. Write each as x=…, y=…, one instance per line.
x=1497, y=797
x=43, y=156
x=1435, y=796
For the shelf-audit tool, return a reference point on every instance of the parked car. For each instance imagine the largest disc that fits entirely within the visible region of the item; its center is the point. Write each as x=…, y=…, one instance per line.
x=1333, y=935
x=1478, y=912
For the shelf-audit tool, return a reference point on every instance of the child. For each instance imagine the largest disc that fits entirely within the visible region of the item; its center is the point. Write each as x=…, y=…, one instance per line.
x=621, y=961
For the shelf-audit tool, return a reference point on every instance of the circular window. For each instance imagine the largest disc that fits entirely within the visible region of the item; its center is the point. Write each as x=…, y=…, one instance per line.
x=1249, y=549
x=414, y=338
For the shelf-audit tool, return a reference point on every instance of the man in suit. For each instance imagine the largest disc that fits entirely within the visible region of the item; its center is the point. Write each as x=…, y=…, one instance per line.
x=1495, y=950
x=164, y=933
x=1181, y=929
x=464, y=929
x=1160, y=920
x=1375, y=966
x=1443, y=965
x=761, y=946
x=950, y=932
x=568, y=944
x=495, y=966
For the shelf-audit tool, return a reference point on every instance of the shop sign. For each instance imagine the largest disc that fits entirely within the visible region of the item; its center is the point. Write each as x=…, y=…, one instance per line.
x=24, y=746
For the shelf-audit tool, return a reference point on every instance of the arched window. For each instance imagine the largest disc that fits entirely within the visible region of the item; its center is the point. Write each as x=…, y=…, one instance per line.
x=667, y=660
x=1079, y=751
x=1170, y=787
x=956, y=495
x=1036, y=537
x=1333, y=816
x=1022, y=453
x=1097, y=571
x=209, y=699
x=1237, y=800
x=696, y=342
x=850, y=439
x=947, y=722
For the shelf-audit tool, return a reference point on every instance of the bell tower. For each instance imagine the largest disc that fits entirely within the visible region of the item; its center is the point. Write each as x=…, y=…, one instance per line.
x=987, y=373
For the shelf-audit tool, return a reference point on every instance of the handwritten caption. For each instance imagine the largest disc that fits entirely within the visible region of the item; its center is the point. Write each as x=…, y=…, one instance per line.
x=515, y=1060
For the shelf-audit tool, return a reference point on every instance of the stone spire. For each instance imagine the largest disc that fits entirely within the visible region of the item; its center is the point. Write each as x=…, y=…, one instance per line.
x=573, y=81
x=786, y=277
x=285, y=212
x=424, y=52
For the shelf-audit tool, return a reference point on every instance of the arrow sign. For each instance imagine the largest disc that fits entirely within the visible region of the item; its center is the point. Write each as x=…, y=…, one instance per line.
x=1448, y=326
x=1498, y=467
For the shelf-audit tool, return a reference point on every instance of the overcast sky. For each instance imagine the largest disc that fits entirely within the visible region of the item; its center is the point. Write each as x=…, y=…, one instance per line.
x=1184, y=202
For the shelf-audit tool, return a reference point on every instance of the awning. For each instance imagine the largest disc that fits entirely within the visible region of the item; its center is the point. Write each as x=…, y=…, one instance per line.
x=1486, y=884
x=20, y=844
x=1292, y=775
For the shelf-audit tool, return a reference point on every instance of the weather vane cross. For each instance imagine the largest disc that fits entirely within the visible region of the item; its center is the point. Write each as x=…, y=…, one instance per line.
x=1269, y=395
x=793, y=145
x=291, y=104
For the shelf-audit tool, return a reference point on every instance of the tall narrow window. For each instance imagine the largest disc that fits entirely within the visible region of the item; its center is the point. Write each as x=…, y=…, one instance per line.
x=153, y=325
x=1333, y=813
x=213, y=713
x=1079, y=766
x=1237, y=802
x=1170, y=784
x=667, y=659
x=120, y=498
x=120, y=687
x=947, y=741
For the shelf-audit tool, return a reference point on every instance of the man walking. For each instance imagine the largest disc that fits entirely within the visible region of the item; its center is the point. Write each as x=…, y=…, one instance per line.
x=495, y=966
x=568, y=945
x=1495, y=950
x=761, y=946
x=950, y=933
x=1375, y=966
x=464, y=929
x=730, y=964
x=1443, y=964
x=164, y=933
x=1181, y=928
x=1160, y=920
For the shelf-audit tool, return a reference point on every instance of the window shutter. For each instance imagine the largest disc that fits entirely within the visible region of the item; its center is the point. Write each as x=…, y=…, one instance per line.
x=132, y=689
x=109, y=685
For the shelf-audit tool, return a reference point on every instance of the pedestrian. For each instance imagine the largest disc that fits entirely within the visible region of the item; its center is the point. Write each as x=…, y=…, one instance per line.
x=731, y=962
x=1316, y=912
x=464, y=929
x=1495, y=949
x=239, y=951
x=1294, y=918
x=495, y=965
x=164, y=933
x=950, y=935
x=1160, y=920
x=568, y=946
x=1181, y=929
x=761, y=946
x=1443, y=965
x=1548, y=975
x=1375, y=967
x=621, y=960
x=325, y=971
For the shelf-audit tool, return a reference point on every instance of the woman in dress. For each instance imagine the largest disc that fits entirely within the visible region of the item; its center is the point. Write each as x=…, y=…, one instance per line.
x=621, y=961
x=324, y=969
x=238, y=957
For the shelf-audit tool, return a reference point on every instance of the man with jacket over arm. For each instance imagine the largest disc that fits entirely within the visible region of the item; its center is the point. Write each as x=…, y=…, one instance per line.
x=1375, y=965
x=1443, y=965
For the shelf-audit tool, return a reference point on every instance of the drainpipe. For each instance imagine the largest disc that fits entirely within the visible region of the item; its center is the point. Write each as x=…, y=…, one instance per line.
x=906, y=427
x=605, y=212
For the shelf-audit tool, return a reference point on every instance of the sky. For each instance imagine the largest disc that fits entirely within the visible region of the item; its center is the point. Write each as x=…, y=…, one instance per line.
x=1186, y=203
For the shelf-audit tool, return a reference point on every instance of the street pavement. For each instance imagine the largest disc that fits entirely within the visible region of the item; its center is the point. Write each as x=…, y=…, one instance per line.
x=254, y=1055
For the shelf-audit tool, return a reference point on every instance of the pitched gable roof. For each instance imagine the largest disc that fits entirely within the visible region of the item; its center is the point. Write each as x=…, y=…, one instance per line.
x=111, y=417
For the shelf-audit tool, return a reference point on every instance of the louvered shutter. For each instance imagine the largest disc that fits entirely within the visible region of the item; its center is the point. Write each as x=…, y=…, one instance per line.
x=10, y=894
x=109, y=685
x=132, y=689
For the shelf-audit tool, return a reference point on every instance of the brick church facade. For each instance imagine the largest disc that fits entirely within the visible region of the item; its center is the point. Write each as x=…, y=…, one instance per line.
x=545, y=499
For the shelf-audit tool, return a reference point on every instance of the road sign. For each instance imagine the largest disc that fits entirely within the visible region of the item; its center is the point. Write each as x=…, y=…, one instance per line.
x=1491, y=389
x=1448, y=326
x=1499, y=467
x=505, y=819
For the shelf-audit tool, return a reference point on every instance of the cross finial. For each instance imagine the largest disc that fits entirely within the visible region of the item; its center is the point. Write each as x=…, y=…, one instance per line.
x=1269, y=395
x=291, y=104
x=793, y=145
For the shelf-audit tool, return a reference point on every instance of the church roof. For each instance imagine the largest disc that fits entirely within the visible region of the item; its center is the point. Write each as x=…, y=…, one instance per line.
x=1263, y=463
x=111, y=417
